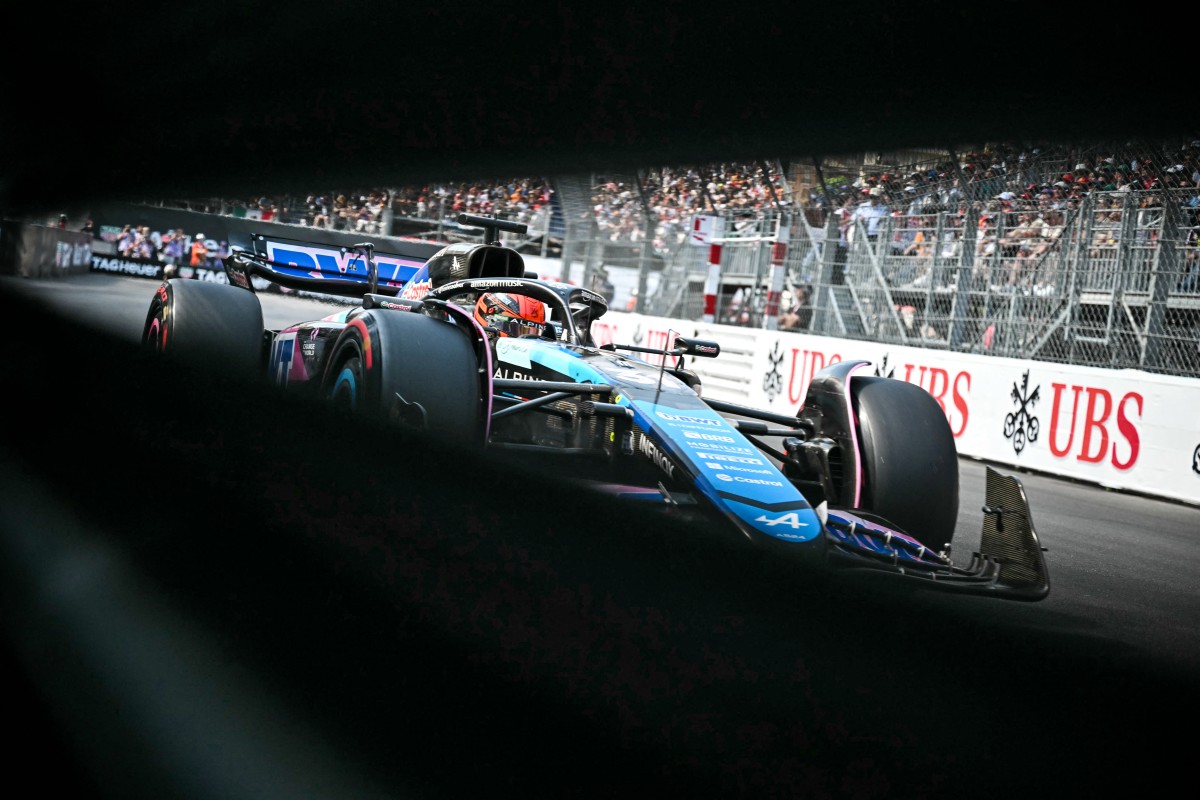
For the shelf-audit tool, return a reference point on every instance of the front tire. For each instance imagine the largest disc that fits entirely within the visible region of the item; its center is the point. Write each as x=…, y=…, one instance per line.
x=909, y=460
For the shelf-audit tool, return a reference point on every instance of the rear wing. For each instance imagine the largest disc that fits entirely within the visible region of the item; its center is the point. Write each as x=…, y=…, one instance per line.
x=358, y=269
x=340, y=270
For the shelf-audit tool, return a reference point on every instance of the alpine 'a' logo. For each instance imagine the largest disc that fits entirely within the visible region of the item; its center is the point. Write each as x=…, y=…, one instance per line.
x=791, y=519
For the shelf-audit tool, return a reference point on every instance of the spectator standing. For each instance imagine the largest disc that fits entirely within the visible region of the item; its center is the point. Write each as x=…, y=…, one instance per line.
x=1046, y=253
x=143, y=245
x=871, y=211
x=918, y=271
x=173, y=250
x=1189, y=280
x=199, y=252
x=813, y=224
x=986, y=245
x=845, y=224
x=799, y=314
x=125, y=240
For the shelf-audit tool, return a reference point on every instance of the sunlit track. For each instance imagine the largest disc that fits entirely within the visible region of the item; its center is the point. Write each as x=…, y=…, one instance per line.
x=1122, y=566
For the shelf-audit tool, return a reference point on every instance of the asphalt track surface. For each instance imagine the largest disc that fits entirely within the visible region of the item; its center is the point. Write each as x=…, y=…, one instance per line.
x=1082, y=691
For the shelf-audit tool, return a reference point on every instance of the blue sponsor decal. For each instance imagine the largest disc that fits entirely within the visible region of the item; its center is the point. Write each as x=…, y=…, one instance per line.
x=724, y=448
x=736, y=468
x=283, y=351
x=708, y=437
x=732, y=472
x=334, y=263
x=557, y=358
x=692, y=417
x=734, y=459
x=791, y=525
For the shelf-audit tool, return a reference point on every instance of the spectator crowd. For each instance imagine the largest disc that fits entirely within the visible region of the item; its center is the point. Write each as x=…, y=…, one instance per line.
x=999, y=177
x=365, y=210
x=1023, y=195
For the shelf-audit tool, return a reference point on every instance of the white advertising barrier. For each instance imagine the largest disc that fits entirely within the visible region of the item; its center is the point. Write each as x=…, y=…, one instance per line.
x=1123, y=429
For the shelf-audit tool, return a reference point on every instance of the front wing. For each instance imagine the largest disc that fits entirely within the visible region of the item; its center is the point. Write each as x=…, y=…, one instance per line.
x=1009, y=562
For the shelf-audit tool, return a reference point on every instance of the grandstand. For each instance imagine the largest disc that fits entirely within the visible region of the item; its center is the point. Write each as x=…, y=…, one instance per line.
x=1083, y=254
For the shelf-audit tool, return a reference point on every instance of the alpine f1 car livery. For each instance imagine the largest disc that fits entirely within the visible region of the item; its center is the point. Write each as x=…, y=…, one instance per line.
x=481, y=354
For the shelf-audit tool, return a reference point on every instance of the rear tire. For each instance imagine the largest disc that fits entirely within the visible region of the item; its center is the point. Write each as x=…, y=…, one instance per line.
x=213, y=322
x=909, y=460
x=410, y=371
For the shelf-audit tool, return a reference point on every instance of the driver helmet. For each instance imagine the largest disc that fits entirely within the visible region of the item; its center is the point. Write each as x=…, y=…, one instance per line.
x=510, y=314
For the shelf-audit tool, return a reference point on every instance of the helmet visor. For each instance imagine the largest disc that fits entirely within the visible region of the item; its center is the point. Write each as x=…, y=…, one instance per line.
x=510, y=326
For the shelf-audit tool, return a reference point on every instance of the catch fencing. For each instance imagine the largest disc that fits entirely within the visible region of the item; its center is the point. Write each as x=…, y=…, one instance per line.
x=1112, y=280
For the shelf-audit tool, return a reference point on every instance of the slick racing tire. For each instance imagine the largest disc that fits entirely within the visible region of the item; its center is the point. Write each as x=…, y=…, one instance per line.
x=213, y=322
x=411, y=371
x=909, y=461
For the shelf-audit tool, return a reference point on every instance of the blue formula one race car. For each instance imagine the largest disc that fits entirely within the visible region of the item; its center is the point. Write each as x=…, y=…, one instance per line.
x=481, y=354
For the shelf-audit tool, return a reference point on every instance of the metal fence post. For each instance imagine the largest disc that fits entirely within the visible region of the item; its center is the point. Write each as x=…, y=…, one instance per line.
x=960, y=306
x=823, y=297
x=1163, y=268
